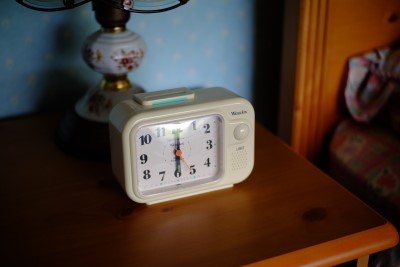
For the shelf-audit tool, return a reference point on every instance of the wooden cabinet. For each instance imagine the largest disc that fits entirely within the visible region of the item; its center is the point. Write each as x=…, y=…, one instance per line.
x=320, y=36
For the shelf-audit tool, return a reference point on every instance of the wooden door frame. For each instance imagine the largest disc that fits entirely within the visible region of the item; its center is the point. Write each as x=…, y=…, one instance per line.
x=314, y=62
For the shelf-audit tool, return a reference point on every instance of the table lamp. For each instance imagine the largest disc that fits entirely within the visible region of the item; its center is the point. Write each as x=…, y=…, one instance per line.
x=113, y=51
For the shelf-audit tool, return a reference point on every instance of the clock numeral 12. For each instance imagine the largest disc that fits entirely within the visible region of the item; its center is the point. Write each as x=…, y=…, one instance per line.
x=206, y=127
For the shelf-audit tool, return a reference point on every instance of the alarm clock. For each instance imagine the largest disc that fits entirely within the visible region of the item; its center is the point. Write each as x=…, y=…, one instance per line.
x=180, y=142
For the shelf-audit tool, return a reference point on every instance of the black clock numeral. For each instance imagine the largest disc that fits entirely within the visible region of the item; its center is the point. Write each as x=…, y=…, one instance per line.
x=146, y=175
x=143, y=158
x=207, y=163
x=145, y=139
x=192, y=169
x=162, y=175
x=178, y=173
x=207, y=127
x=209, y=143
x=160, y=131
x=194, y=125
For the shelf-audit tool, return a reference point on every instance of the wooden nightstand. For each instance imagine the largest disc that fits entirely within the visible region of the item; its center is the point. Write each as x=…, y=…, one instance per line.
x=57, y=210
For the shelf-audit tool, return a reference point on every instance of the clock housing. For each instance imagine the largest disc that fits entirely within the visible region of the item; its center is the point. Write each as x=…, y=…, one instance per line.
x=180, y=142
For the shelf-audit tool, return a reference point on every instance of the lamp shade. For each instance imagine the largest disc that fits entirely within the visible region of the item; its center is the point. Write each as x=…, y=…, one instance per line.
x=137, y=6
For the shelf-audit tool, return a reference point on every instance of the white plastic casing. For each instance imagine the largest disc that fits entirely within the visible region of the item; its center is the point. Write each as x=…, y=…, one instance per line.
x=238, y=135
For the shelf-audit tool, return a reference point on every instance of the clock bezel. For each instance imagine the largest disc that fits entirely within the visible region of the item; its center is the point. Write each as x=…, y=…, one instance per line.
x=175, y=188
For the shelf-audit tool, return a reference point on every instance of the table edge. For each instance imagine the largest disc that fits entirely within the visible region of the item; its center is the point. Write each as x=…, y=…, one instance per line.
x=339, y=250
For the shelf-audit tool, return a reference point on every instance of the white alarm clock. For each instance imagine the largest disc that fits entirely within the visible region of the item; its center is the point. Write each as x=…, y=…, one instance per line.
x=179, y=142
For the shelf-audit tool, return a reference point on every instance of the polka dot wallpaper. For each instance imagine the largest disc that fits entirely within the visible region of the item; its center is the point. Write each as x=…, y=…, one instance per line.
x=203, y=43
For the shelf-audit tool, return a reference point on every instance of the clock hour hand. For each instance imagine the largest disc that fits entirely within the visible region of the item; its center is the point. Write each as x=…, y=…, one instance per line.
x=178, y=151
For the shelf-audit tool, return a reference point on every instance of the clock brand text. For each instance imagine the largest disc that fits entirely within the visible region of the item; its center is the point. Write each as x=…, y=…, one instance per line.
x=240, y=112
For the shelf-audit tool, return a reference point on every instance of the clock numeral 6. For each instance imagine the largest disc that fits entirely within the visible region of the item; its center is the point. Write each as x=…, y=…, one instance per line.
x=145, y=139
x=178, y=174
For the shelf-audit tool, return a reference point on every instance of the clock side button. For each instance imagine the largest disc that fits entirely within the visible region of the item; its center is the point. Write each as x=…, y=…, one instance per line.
x=241, y=131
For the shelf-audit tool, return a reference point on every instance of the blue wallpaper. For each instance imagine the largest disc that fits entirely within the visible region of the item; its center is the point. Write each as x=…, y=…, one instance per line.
x=203, y=43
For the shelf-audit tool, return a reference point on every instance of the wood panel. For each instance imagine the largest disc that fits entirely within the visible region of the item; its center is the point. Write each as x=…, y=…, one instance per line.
x=329, y=33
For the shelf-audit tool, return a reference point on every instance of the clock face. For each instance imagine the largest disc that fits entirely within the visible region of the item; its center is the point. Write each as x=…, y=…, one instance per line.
x=178, y=154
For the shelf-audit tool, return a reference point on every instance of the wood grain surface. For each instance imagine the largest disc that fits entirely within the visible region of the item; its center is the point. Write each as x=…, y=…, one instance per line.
x=57, y=210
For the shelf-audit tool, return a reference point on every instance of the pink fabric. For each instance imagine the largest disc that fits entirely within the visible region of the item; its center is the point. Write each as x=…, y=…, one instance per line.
x=372, y=78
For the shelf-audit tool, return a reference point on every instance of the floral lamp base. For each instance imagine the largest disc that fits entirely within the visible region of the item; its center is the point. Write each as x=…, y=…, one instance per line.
x=96, y=104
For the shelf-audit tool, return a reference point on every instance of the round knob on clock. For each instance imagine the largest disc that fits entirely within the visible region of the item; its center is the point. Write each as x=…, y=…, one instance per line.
x=241, y=131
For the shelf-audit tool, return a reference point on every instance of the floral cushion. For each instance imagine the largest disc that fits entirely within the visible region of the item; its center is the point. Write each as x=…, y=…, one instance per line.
x=366, y=159
x=364, y=152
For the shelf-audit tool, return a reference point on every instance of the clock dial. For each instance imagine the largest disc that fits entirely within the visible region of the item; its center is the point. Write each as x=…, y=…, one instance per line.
x=178, y=154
